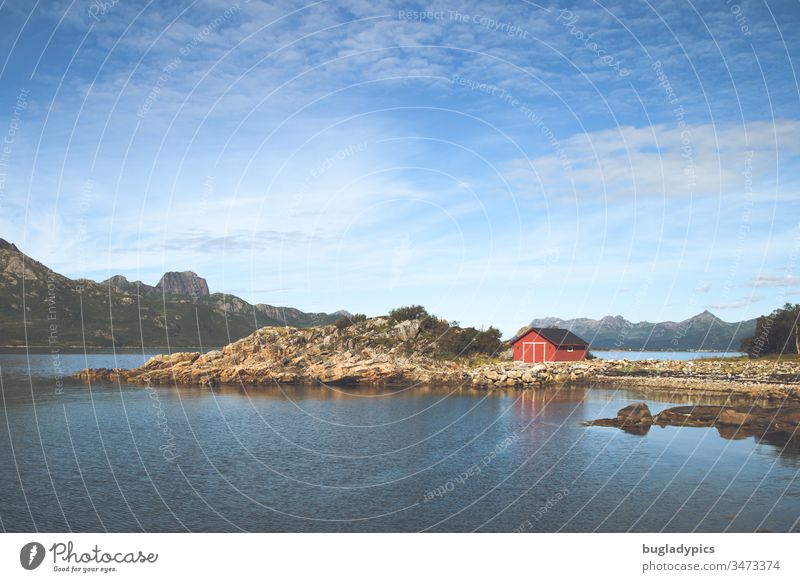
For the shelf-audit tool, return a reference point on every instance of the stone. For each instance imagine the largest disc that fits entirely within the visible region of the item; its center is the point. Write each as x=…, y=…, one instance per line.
x=689, y=416
x=778, y=424
x=408, y=330
x=635, y=413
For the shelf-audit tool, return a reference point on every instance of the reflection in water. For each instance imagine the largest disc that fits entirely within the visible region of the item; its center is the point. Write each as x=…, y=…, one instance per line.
x=787, y=444
x=319, y=458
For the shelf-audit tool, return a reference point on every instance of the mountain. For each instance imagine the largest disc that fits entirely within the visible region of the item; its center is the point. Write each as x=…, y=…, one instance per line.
x=39, y=307
x=172, y=283
x=704, y=331
x=121, y=284
x=185, y=283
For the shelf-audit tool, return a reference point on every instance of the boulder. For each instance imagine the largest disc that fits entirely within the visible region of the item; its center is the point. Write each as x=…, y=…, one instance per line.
x=506, y=355
x=732, y=422
x=634, y=418
x=689, y=416
x=637, y=413
x=407, y=330
x=761, y=419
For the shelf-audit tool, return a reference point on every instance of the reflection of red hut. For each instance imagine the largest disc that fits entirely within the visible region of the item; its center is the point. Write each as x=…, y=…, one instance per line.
x=548, y=344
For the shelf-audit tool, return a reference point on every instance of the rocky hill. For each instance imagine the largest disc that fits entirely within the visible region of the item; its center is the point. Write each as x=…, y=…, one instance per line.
x=374, y=351
x=39, y=307
x=704, y=331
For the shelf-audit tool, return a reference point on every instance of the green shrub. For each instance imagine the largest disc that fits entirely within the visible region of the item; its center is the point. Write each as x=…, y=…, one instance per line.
x=408, y=313
x=451, y=341
x=776, y=333
x=346, y=321
x=464, y=342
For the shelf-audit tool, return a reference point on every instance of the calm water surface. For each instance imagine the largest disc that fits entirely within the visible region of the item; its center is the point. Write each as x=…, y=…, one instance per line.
x=645, y=355
x=324, y=459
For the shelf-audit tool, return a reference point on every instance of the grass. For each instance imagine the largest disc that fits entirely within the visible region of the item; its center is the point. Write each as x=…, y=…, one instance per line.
x=478, y=360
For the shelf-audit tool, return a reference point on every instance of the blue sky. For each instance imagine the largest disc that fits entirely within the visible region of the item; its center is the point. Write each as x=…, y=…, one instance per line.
x=495, y=162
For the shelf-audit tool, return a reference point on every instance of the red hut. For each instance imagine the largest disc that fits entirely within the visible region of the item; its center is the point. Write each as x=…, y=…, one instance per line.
x=548, y=344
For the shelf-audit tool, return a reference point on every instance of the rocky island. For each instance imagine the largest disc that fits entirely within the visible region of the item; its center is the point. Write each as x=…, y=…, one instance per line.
x=384, y=351
x=374, y=351
x=778, y=423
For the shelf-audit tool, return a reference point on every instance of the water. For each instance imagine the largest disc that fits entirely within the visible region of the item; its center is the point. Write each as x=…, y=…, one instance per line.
x=322, y=459
x=645, y=355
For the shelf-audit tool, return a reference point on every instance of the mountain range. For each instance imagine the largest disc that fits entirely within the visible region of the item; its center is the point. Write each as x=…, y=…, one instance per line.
x=704, y=331
x=39, y=307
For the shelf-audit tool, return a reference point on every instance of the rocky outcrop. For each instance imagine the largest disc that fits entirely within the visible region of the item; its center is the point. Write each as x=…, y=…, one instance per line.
x=183, y=283
x=638, y=413
x=634, y=418
x=16, y=268
x=731, y=421
x=689, y=416
x=7, y=246
x=371, y=352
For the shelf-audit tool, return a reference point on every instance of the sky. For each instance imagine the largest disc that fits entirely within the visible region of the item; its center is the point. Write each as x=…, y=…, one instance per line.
x=495, y=162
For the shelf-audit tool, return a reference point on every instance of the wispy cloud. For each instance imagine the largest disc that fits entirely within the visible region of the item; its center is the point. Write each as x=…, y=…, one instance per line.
x=737, y=304
x=663, y=161
x=768, y=281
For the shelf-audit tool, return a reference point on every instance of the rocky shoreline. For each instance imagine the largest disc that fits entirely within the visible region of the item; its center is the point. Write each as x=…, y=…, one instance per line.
x=736, y=378
x=381, y=352
x=732, y=422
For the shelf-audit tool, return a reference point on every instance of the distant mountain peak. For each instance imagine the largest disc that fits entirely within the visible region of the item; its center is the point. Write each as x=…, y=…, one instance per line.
x=116, y=280
x=706, y=315
x=614, y=319
x=183, y=283
x=704, y=331
x=121, y=284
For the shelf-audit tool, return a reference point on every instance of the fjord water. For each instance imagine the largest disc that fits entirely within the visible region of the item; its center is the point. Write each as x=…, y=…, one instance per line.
x=663, y=355
x=289, y=458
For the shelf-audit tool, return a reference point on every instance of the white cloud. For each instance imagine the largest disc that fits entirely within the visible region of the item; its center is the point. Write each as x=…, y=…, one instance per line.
x=662, y=161
x=769, y=281
x=703, y=288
